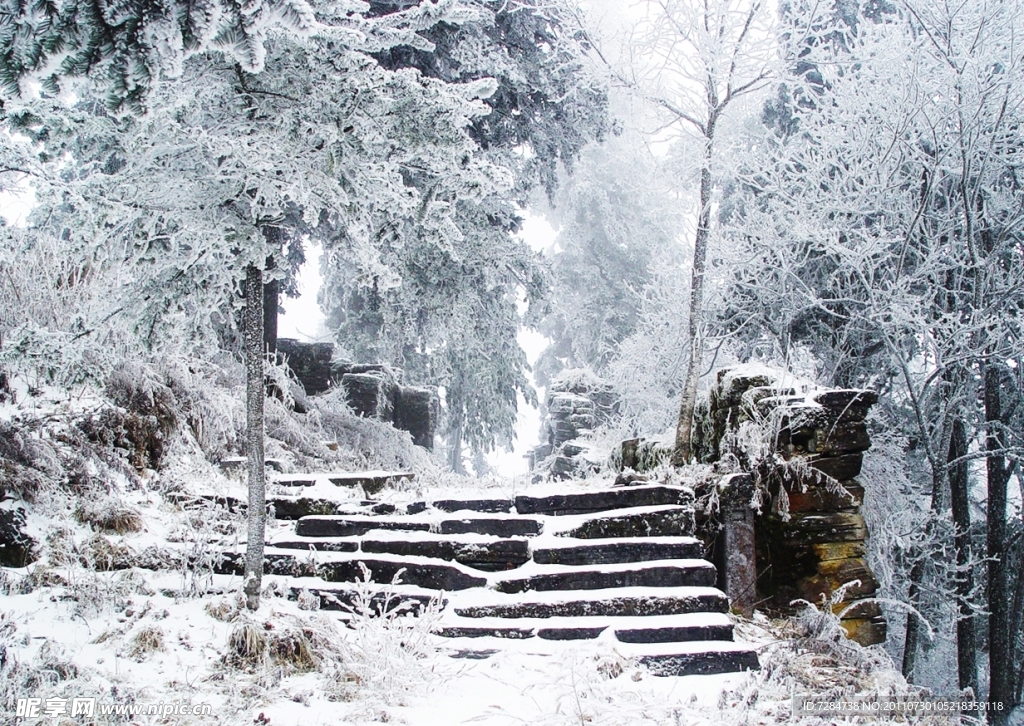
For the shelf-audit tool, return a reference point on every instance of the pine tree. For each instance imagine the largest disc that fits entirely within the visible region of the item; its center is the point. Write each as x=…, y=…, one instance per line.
x=186, y=198
x=441, y=302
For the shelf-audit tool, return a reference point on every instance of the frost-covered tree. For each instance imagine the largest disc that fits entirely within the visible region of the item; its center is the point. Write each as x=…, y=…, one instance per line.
x=619, y=217
x=883, y=225
x=197, y=194
x=442, y=303
x=694, y=61
x=131, y=45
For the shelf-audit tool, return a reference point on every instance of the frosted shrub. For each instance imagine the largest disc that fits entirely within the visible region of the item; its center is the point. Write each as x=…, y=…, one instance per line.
x=811, y=656
x=385, y=652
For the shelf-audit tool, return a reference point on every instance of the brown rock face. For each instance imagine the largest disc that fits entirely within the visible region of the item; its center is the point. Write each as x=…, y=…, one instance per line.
x=811, y=543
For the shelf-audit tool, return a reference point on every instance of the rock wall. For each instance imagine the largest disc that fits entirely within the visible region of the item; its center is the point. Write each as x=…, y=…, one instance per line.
x=577, y=403
x=372, y=390
x=805, y=452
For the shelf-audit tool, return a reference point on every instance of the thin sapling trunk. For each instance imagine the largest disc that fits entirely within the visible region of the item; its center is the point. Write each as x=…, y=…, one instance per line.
x=252, y=332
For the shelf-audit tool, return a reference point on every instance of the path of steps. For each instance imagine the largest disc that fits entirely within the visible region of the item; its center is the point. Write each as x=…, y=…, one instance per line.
x=529, y=572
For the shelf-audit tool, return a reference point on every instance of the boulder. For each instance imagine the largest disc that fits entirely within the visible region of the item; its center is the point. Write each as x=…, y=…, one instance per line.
x=415, y=412
x=371, y=395
x=17, y=548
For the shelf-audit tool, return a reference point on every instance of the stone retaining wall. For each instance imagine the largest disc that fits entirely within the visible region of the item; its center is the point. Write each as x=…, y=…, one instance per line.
x=373, y=390
x=577, y=403
x=805, y=452
x=788, y=525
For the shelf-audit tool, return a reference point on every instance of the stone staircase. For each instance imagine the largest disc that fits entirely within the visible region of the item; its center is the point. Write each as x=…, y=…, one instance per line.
x=530, y=572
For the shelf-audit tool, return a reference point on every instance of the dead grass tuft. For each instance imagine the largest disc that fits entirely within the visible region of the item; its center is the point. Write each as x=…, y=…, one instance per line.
x=292, y=649
x=147, y=640
x=103, y=555
x=221, y=609
x=247, y=646
x=111, y=516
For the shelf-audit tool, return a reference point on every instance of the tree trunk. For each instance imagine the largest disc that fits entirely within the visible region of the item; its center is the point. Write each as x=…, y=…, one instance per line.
x=271, y=305
x=999, y=635
x=959, y=483
x=682, y=452
x=252, y=332
x=913, y=635
x=455, y=450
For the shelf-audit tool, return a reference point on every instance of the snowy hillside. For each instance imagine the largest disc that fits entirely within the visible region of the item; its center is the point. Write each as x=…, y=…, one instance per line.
x=124, y=604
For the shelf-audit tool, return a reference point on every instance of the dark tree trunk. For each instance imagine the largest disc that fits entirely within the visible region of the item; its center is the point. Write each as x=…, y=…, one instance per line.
x=252, y=332
x=959, y=484
x=999, y=635
x=913, y=636
x=917, y=572
x=271, y=306
x=455, y=461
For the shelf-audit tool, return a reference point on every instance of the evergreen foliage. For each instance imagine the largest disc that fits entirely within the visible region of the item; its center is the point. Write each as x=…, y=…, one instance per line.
x=442, y=303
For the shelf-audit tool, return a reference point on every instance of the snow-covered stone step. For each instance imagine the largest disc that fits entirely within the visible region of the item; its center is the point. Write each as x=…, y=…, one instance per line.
x=481, y=552
x=701, y=657
x=317, y=544
x=291, y=508
x=371, y=482
x=578, y=603
x=345, y=567
x=355, y=525
x=603, y=499
x=660, y=521
x=490, y=555
x=369, y=597
x=484, y=506
x=636, y=629
x=658, y=573
x=419, y=571
x=696, y=658
x=293, y=480
x=626, y=549
x=511, y=526
x=274, y=563
x=288, y=507
x=351, y=526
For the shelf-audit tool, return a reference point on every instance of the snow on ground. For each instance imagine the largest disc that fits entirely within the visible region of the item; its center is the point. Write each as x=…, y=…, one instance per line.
x=132, y=643
x=129, y=613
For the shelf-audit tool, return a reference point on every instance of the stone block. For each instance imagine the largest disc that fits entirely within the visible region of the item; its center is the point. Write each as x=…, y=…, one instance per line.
x=697, y=663
x=496, y=526
x=603, y=499
x=842, y=467
x=585, y=606
x=818, y=498
x=811, y=529
x=695, y=573
x=866, y=631
x=371, y=395
x=503, y=554
x=838, y=439
x=847, y=404
x=753, y=396
x=730, y=387
x=615, y=552
x=416, y=412
x=854, y=609
x=668, y=522
x=310, y=362
x=833, y=574
x=17, y=548
x=429, y=576
x=838, y=550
